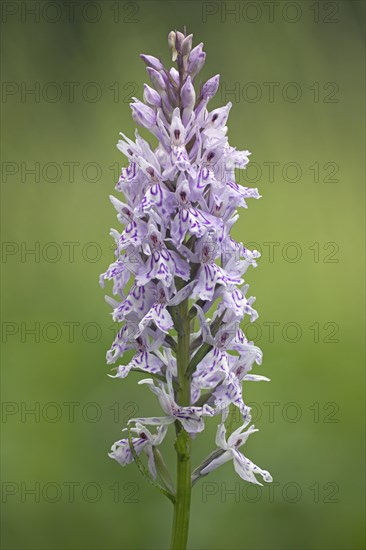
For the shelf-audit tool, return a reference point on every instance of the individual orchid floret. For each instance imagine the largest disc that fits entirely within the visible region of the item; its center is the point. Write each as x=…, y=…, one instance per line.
x=139, y=299
x=130, y=176
x=190, y=417
x=229, y=391
x=234, y=305
x=124, y=340
x=120, y=271
x=190, y=219
x=246, y=469
x=144, y=441
x=210, y=274
x=158, y=313
x=144, y=360
x=179, y=156
x=215, y=366
x=163, y=264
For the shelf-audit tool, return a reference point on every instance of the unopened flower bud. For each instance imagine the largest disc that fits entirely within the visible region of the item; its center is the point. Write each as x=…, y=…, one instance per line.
x=196, y=60
x=156, y=79
x=171, y=44
x=151, y=96
x=179, y=37
x=152, y=61
x=196, y=67
x=196, y=51
x=187, y=45
x=188, y=95
x=171, y=39
x=143, y=115
x=175, y=75
x=210, y=87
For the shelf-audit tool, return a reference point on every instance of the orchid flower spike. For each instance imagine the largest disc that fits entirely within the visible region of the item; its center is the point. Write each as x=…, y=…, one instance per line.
x=178, y=278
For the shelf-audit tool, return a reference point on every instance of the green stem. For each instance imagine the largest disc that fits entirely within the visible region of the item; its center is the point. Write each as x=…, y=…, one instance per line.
x=183, y=441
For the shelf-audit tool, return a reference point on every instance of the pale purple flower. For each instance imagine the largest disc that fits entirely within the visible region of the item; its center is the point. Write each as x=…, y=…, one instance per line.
x=163, y=264
x=234, y=305
x=144, y=441
x=244, y=467
x=175, y=248
x=158, y=313
x=138, y=300
x=190, y=417
x=229, y=390
x=144, y=359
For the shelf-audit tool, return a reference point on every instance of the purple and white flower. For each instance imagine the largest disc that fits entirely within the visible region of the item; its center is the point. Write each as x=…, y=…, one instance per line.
x=144, y=359
x=144, y=441
x=244, y=467
x=178, y=274
x=190, y=417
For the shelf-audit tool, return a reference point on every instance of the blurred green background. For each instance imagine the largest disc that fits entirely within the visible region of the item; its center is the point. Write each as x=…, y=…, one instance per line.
x=296, y=76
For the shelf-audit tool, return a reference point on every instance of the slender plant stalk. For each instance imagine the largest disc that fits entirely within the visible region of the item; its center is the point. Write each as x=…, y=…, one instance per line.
x=183, y=441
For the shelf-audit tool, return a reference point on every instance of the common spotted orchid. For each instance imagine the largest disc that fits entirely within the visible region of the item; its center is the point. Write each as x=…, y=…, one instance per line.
x=178, y=279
